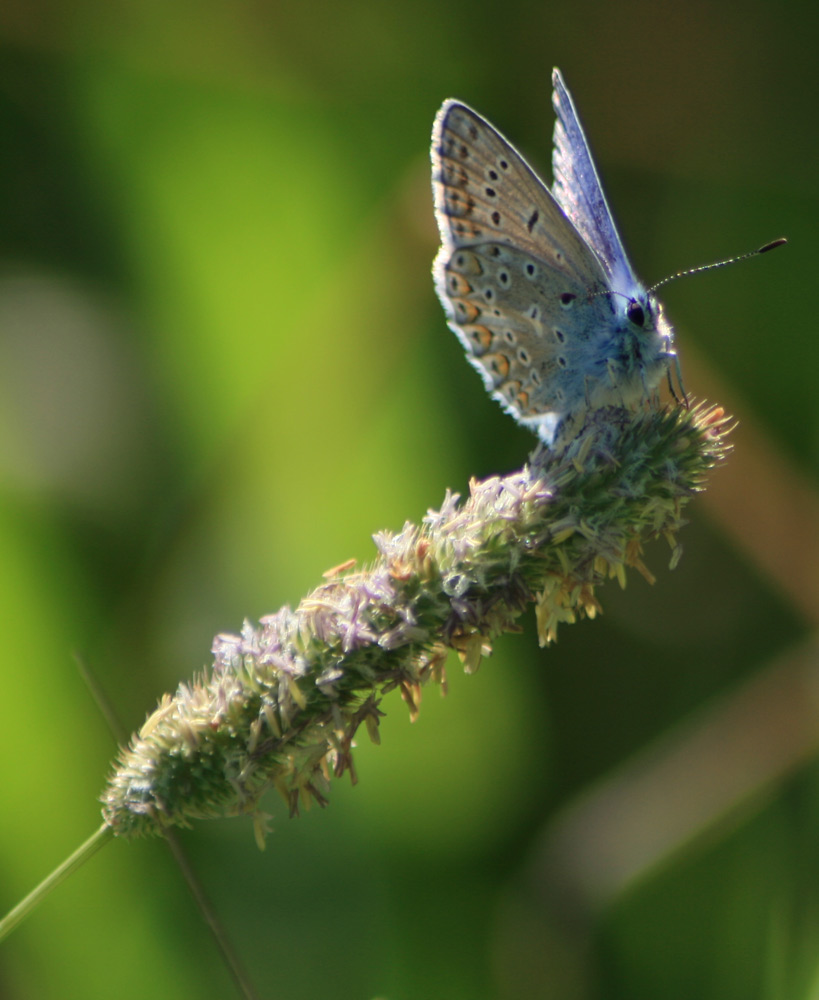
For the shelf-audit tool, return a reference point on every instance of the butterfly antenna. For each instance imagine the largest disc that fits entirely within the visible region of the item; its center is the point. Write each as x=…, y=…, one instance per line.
x=720, y=263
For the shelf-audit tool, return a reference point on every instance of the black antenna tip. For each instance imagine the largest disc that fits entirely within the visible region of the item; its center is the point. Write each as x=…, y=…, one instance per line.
x=772, y=245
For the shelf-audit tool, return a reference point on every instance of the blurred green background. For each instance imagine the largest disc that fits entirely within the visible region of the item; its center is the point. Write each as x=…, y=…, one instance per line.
x=223, y=366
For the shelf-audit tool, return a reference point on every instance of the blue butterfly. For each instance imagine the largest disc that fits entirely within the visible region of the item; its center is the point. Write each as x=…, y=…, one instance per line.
x=536, y=283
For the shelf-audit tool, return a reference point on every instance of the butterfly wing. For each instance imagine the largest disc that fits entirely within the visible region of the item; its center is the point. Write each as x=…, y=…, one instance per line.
x=519, y=285
x=484, y=190
x=578, y=191
x=532, y=332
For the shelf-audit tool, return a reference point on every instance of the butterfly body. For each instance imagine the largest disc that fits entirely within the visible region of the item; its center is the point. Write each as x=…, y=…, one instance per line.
x=535, y=283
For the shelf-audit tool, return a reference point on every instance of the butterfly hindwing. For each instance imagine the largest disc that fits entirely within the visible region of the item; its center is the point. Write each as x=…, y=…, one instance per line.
x=516, y=318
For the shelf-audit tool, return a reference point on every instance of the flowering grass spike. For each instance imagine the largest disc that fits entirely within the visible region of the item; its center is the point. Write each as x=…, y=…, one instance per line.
x=286, y=698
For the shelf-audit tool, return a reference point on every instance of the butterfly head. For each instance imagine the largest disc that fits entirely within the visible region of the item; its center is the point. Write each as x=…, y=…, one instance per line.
x=637, y=351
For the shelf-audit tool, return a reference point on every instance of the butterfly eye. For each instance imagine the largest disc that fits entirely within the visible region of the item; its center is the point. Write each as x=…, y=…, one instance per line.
x=636, y=313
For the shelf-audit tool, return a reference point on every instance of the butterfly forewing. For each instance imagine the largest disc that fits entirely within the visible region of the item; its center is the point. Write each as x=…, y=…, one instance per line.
x=485, y=191
x=579, y=193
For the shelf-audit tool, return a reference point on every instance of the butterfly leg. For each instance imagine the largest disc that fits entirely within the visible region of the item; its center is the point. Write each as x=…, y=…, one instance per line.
x=678, y=373
x=614, y=381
